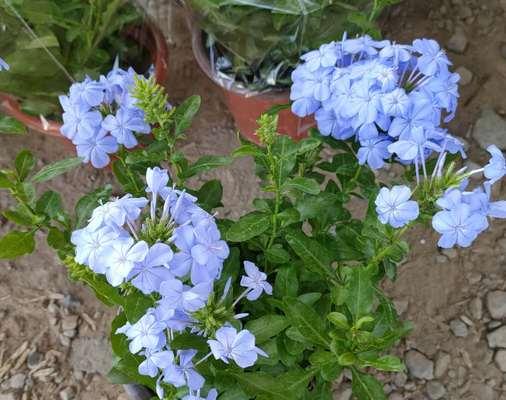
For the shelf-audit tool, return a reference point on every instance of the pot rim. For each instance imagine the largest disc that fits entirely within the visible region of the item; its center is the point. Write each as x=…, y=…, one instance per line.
x=147, y=35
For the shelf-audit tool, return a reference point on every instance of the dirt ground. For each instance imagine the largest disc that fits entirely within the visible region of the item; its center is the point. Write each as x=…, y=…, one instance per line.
x=53, y=333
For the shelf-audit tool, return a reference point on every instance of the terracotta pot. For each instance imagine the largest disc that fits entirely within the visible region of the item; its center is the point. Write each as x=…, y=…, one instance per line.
x=148, y=36
x=246, y=107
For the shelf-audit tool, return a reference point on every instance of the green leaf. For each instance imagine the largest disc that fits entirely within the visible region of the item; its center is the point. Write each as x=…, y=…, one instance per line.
x=339, y=320
x=210, y=195
x=248, y=150
x=286, y=284
x=385, y=363
x=346, y=359
x=53, y=170
x=267, y=327
x=306, y=320
x=327, y=363
x=135, y=305
x=22, y=215
x=277, y=255
x=5, y=181
x=11, y=126
x=24, y=164
x=57, y=239
x=188, y=341
x=49, y=204
x=206, y=163
x=305, y=185
x=185, y=113
x=366, y=387
x=315, y=257
x=359, y=292
x=89, y=202
x=248, y=227
x=16, y=243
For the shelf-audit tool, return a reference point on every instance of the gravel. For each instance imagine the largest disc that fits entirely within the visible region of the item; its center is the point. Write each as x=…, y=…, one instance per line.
x=489, y=129
x=497, y=339
x=458, y=42
x=496, y=304
x=419, y=366
x=466, y=76
x=459, y=328
x=500, y=360
x=435, y=390
x=442, y=364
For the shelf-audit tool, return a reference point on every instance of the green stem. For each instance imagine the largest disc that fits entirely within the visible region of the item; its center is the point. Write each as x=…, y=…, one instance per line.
x=277, y=196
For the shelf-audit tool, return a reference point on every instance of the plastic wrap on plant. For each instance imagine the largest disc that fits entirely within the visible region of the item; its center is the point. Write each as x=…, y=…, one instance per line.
x=254, y=44
x=48, y=44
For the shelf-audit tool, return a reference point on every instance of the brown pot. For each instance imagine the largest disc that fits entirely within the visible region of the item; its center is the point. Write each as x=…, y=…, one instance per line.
x=148, y=36
x=245, y=106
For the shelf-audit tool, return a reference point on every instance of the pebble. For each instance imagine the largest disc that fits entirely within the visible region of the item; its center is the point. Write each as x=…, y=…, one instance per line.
x=69, y=322
x=500, y=360
x=400, y=379
x=450, y=253
x=503, y=50
x=497, y=339
x=482, y=391
x=459, y=328
x=10, y=396
x=466, y=76
x=67, y=394
x=17, y=381
x=442, y=363
x=489, y=129
x=458, y=42
x=401, y=306
x=395, y=396
x=474, y=278
x=441, y=259
x=34, y=359
x=496, y=304
x=419, y=366
x=435, y=390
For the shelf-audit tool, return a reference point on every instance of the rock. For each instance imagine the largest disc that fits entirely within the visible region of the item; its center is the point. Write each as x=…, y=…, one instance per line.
x=7, y=396
x=459, y=328
x=441, y=259
x=500, y=360
x=70, y=302
x=395, y=396
x=466, y=76
x=400, y=379
x=419, y=366
x=442, y=363
x=490, y=129
x=450, y=253
x=91, y=355
x=17, y=381
x=497, y=339
x=69, y=322
x=503, y=50
x=401, y=306
x=435, y=390
x=67, y=394
x=476, y=308
x=458, y=41
x=496, y=304
x=474, y=278
x=34, y=359
x=482, y=391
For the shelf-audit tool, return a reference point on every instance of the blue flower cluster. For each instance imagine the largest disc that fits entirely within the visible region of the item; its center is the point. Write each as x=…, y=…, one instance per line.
x=464, y=213
x=391, y=97
x=99, y=115
x=179, y=269
x=3, y=65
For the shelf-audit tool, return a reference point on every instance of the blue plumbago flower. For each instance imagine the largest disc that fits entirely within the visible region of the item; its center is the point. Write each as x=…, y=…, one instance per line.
x=184, y=373
x=211, y=395
x=148, y=275
x=96, y=148
x=240, y=347
x=378, y=89
x=124, y=124
x=496, y=167
x=3, y=65
x=394, y=206
x=147, y=333
x=120, y=258
x=374, y=151
x=256, y=281
x=104, y=103
x=178, y=270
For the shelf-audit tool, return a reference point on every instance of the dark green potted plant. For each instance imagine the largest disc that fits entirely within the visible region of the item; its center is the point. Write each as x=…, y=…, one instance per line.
x=249, y=48
x=48, y=44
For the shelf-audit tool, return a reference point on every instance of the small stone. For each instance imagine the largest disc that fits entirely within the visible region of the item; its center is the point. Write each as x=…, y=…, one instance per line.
x=466, y=76
x=482, y=391
x=442, y=363
x=395, y=396
x=7, y=396
x=474, y=278
x=400, y=379
x=494, y=324
x=71, y=303
x=419, y=366
x=34, y=359
x=459, y=328
x=490, y=129
x=458, y=42
x=465, y=12
x=496, y=304
x=17, y=381
x=69, y=322
x=401, y=306
x=503, y=50
x=500, y=360
x=450, y=253
x=441, y=259
x=67, y=394
x=435, y=390
x=497, y=339
x=91, y=355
